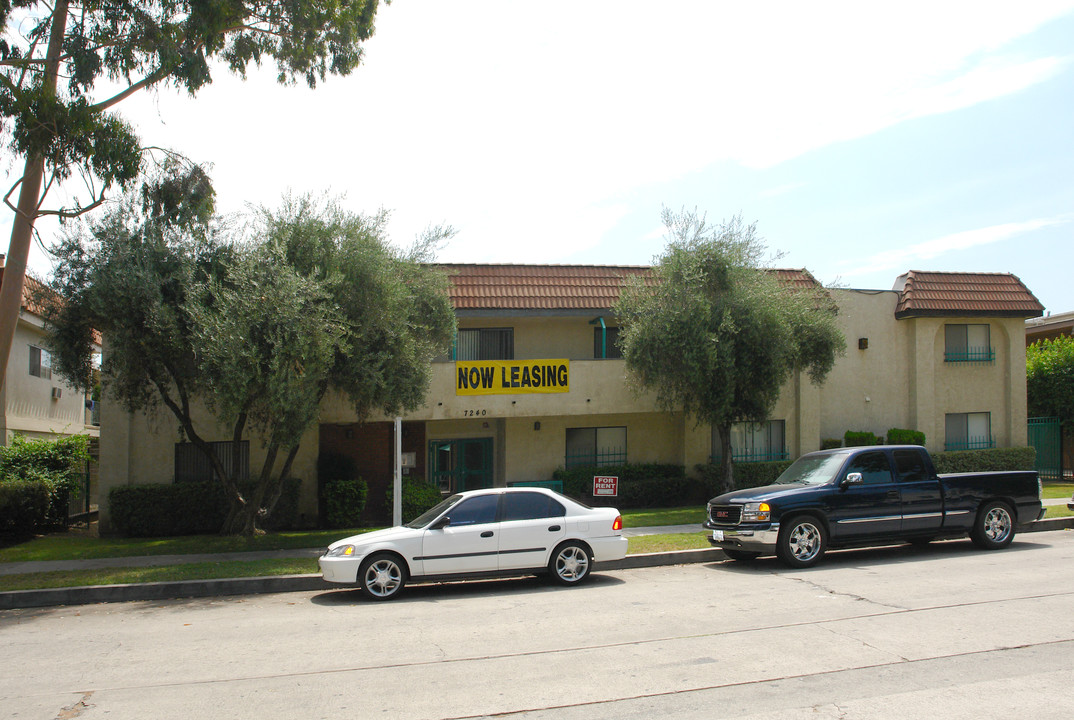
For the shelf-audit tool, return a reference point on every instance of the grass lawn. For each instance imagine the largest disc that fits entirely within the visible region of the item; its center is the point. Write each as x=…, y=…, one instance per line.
x=1056, y=490
x=259, y=568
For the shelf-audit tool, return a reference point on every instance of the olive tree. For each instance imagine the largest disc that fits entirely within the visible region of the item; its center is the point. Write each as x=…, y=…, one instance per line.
x=715, y=334
x=256, y=326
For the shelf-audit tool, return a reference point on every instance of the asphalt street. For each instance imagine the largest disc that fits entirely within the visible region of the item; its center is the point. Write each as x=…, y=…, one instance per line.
x=944, y=631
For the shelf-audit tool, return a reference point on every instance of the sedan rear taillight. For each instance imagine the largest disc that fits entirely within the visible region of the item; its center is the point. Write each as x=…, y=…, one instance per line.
x=618, y=524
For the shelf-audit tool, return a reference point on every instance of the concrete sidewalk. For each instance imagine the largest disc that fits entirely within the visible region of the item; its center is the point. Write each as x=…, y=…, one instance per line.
x=295, y=583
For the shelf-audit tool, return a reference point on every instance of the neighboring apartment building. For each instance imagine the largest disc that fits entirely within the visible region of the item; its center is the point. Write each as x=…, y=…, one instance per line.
x=1049, y=327
x=35, y=402
x=536, y=382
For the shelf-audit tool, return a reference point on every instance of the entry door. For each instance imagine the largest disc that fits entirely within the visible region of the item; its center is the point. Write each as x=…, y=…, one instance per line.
x=458, y=465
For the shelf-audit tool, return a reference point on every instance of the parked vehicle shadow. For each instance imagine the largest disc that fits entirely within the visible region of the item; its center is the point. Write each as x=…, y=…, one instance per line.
x=899, y=552
x=437, y=591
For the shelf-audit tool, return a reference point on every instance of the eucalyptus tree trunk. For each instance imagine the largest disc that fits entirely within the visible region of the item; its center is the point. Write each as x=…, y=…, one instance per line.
x=26, y=213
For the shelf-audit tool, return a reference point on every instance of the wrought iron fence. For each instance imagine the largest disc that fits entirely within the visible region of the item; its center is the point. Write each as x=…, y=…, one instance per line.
x=972, y=443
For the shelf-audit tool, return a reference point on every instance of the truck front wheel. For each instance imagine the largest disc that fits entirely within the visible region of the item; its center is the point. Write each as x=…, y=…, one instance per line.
x=994, y=527
x=801, y=542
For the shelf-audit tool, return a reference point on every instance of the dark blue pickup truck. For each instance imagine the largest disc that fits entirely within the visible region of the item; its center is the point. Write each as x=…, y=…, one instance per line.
x=870, y=496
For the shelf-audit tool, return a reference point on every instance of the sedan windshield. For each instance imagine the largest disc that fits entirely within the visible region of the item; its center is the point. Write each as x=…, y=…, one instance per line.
x=432, y=513
x=812, y=469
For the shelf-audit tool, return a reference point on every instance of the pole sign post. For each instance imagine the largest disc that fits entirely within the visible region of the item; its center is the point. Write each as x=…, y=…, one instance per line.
x=605, y=486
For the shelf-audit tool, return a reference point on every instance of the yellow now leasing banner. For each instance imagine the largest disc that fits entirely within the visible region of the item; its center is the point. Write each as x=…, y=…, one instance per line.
x=512, y=377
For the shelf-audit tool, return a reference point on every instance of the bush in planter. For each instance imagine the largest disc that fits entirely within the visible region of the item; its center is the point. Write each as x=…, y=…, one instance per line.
x=854, y=438
x=897, y=436
x=831, y=443
x=344, y=500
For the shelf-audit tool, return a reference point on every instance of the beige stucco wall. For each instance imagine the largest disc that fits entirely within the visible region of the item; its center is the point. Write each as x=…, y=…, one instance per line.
x=900, y=380
x=29, y=406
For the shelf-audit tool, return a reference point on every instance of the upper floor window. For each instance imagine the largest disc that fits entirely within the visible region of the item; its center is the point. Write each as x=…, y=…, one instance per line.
x=485, y=344
x=968, y=344
x=596, y=446
x=606, y=343
x=40, y=362
x=755, y=442
x=968, y=431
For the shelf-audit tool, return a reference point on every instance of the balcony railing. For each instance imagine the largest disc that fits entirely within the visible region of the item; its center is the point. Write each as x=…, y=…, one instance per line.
x=601, y=458
x=973, y=443
x=747, y=456
x=973, y=356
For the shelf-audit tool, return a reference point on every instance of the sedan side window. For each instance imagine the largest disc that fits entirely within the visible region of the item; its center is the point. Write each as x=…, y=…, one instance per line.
x=475, y=511
x=873, y=466
x=530, y=506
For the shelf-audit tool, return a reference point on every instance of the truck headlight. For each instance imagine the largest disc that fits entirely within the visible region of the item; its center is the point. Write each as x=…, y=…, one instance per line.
x=756, y=512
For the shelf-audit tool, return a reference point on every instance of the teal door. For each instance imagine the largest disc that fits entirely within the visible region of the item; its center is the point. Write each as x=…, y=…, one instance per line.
x=458, y=465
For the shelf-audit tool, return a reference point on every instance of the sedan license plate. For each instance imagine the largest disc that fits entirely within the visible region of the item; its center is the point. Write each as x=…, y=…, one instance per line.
x=717, y=535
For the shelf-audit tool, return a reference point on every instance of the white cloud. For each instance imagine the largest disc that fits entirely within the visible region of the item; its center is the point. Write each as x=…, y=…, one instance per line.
x=903, y=258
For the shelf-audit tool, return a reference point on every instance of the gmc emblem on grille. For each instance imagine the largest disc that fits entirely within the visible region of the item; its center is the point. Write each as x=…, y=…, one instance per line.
x=722, y=513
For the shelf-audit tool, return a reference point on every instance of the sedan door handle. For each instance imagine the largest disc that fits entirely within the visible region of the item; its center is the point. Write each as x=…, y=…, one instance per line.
x=487, y=533
x=554, y=528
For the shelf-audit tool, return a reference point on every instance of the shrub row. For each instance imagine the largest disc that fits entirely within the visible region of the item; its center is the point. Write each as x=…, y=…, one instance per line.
x=418, y=496
x=955, y=461
x=746, y=475
x=640, y=485
x=895, y=436
x=161, y=510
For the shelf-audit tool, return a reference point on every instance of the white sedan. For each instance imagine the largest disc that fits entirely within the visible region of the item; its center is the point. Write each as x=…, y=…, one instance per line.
x=495, y=532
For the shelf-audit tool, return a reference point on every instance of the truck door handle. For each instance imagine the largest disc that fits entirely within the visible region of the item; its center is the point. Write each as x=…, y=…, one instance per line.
x=487, y=533
x=893, y=494
x=554, y=528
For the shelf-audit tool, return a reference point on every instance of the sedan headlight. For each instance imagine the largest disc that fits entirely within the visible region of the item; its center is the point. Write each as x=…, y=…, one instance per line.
x=341, y=551
x=756, y=512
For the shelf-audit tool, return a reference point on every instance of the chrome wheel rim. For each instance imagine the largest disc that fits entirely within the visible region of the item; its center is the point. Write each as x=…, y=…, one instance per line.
x=572, y=564
x=383, y=577
x=997, y=524
x=804, y=542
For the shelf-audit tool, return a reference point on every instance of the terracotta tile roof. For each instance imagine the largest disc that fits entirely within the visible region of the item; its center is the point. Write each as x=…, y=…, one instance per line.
x=557, y=287
x=944, y=294
x=31, y=288
x=538, y=287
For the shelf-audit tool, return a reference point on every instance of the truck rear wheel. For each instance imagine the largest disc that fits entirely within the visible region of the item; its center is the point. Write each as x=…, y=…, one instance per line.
x=994, y=527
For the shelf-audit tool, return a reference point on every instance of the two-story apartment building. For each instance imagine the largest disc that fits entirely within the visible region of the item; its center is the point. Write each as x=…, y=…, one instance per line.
x=535, y=382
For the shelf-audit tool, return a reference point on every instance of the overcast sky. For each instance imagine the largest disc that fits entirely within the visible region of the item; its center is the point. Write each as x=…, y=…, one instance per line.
x=864, y=139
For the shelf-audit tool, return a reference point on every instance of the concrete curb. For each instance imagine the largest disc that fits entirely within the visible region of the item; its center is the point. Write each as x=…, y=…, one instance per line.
x=91, y=594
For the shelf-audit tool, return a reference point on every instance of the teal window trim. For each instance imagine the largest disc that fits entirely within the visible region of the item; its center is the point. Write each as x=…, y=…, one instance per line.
x=603, y=336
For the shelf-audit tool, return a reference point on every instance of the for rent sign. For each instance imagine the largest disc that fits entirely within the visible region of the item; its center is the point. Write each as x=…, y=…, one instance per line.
x=605, y=485
x=512, y=377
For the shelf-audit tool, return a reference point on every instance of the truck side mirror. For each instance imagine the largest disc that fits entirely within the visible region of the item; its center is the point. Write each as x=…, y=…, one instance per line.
x=853, y=478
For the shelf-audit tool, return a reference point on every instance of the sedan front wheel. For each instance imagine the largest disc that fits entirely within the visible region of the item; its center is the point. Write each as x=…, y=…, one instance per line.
x=381, y=576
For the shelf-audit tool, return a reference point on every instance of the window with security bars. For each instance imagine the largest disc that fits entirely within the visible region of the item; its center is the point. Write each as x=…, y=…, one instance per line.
x=968, y=344
x=596, y=446
x=191, y=464
x=485, y=344
x=754, y=442
x=968, y=431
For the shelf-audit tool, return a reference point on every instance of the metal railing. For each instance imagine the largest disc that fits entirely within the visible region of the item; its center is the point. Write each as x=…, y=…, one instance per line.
x=746, y=456
x=973, y=355
x=600, y=458
x=973, y=443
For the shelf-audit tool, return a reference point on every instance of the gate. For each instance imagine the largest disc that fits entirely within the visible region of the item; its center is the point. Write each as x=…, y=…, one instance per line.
x=1045, y=437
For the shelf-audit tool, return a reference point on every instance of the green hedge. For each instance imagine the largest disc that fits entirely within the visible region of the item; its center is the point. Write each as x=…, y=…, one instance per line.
x=1019, y=458
x=165, y=510
x=27, y=466
x=24, y=506
x=831, y=443
x=418, y=496
x=747, y=475
x=343, y=493
x=898, y=436
x=640, y=485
